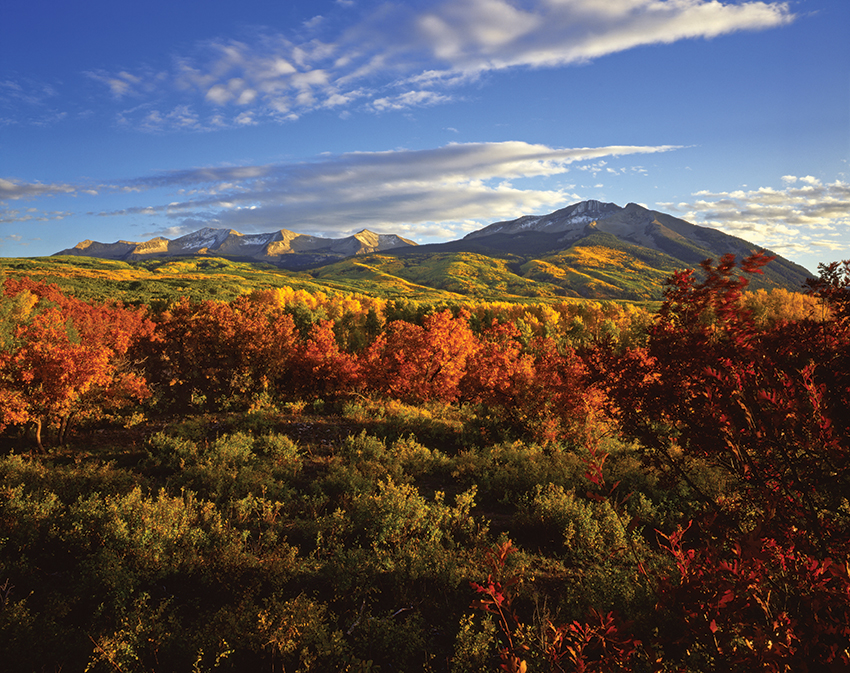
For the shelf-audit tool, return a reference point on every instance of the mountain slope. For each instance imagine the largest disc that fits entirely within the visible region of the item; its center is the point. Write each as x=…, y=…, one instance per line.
x=588, y=250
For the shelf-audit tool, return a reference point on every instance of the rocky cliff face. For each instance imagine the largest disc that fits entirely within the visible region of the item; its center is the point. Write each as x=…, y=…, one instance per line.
x=282, y=247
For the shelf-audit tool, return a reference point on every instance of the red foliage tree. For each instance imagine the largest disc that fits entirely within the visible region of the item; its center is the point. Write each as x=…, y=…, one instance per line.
x=214, y=353
x=767, y=409
x=320, y=368
x=66, y=357
x=497, y=368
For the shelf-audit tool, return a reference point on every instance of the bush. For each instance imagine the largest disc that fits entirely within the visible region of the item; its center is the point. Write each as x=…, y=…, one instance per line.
x=282, y=451
x=584, y=530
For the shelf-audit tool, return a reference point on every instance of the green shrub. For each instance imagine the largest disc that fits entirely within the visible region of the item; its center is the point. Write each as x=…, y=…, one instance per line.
x=506, y=472
x=282, y=451
x=393, y=640
x=475, y=645
x=584, y=530
x=257, y=421
x=171, y=452
x=299, y=632
x=431, y=422
x=230, y=451
x=67, y=481
x=363, y=449
x=414, y=459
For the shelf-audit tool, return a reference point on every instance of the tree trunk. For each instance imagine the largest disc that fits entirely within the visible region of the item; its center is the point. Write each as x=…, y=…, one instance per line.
x=38, y=425
x=64, y=426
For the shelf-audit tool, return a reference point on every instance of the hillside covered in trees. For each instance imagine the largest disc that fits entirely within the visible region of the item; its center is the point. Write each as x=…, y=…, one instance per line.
x=298, y=479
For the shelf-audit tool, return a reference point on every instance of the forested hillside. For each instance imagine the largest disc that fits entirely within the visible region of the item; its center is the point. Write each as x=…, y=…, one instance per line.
x=285, y=477
x=586, y=251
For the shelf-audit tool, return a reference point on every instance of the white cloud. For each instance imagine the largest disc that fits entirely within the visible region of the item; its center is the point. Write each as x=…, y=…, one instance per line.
x=482, y=35
x=397, y=191
x=436, y=45
x=15, y=189
x=10, y=216
x=314, y=22
x=486, y=26
x=408, y=100
x=219, y=94
x=803, y=217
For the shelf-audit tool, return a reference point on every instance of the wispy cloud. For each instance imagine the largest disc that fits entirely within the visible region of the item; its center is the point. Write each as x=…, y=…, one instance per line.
x=403, y=191
x=11, y=189
x=482, y=35
x=29, y=103
x=395, y=56
x=805, y=216
x=17, y=215
x=408, y=100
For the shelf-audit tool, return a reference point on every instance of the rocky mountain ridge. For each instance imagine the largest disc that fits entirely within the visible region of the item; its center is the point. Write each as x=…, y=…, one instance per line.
x=571, y=218
x=632, y=224
x=283, y=247
x=589, y=249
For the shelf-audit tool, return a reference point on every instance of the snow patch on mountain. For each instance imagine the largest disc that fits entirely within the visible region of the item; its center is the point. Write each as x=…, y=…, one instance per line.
x=571, y=218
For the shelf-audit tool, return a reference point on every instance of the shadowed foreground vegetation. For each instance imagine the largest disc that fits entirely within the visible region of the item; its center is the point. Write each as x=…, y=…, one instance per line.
x=301, y=482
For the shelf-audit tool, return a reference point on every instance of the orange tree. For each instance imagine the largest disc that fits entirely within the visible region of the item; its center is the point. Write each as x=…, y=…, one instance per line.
x=61, y=356
x=210, y=353
x=416, y=364
x=320, y=368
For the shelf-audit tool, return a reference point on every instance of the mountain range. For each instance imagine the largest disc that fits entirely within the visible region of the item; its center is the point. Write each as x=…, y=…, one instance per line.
x=590, y=249
x=283, y=247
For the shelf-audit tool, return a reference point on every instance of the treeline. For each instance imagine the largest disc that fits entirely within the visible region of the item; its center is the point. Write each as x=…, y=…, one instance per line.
x=65, y=360
x=569, y=487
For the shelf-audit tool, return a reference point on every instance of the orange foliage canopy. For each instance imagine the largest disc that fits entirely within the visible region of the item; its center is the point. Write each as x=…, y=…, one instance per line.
x=415, y=364
x=63, y=356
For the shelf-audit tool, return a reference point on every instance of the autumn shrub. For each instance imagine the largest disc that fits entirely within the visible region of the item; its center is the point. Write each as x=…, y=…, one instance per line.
x=596, y=640
x=402, y=460
x=416, y=363
x=367, y=456
x=751, y=417
x=300, y=633
x=91, y=565
x=506, y=472
x=392, y=639
x=171, y=453
x=415, y=460
x=148, y=632
x=475, y=645
x=676, y=500
x=67, y=481
x=582, y=529
x=257, y=421
x=655, y=499
x=393, y=547
x=63, y=360
x=230, y=468
x=321, y=369
x=240, y=352
x=231, y=451
x=284, y=454
x=437, y=424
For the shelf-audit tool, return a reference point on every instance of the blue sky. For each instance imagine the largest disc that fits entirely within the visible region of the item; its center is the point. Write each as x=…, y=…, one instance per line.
x=429, y=119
